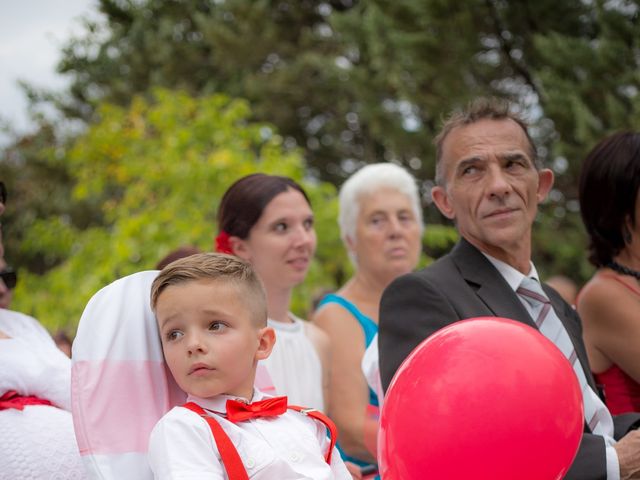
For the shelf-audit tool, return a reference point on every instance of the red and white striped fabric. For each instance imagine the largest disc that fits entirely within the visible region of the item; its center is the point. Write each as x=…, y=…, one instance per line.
x=120, y=385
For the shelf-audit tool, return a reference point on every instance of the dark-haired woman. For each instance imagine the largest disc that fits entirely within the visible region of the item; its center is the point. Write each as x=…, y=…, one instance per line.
x=267, y=220
x=609, y=304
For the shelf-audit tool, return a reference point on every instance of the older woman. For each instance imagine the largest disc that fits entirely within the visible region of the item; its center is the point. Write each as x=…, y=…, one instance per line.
x=381, y=226
x=610, y=302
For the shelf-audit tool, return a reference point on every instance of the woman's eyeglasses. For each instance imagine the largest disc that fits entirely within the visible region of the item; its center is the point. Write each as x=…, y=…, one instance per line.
x=9, y=277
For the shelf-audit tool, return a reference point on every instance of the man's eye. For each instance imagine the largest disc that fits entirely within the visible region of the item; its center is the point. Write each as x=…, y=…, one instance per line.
x=512, y=164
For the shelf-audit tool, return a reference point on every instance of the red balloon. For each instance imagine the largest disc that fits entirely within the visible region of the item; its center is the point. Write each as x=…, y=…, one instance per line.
x=485, y=398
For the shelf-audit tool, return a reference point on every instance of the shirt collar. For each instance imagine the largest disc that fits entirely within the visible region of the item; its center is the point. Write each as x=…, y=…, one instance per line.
x=512, y=276
x=218, y=404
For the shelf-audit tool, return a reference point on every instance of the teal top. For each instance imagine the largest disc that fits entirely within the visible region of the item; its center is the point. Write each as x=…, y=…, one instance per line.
x=370, y=328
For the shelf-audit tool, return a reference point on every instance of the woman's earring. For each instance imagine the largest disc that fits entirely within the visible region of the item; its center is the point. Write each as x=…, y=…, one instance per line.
x=626, y=235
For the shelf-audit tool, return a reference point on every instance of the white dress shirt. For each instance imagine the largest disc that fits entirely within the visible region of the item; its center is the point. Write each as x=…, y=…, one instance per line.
x=290, y=446
x=514, y=278
x=370, y=367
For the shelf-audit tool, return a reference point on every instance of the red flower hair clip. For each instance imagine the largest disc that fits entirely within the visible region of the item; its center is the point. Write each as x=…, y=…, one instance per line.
x=222, y=243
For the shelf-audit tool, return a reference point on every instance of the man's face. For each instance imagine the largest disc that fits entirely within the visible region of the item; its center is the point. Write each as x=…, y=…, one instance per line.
x=492, y=187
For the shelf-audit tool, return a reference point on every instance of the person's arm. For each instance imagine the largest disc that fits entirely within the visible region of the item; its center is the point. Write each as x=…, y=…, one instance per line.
x=181, y=446
x=609, y=312
x=628, y=451
x=348, y=392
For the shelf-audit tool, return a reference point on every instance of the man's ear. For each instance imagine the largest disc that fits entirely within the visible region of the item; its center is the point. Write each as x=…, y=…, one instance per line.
x=266, y=341
x=545, y=182
x=441, y=199
x=239, y=248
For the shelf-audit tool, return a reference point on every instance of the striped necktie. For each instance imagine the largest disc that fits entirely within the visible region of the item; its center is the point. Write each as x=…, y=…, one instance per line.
x=596, y=413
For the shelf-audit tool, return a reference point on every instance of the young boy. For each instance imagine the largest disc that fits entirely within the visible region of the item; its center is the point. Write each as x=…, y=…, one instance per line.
x=212, y=316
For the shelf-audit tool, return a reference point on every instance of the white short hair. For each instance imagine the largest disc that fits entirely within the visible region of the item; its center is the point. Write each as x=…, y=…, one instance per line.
x=367, y=180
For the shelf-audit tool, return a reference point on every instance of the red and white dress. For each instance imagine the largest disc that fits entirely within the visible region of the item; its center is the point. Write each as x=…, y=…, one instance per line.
x=37, y=441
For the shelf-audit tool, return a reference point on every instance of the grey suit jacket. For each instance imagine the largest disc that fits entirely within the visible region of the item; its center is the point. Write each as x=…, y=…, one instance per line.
x=464, y=284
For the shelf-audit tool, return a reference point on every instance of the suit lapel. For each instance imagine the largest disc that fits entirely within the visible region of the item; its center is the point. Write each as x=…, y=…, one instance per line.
x=493, y=290
x=489, y=285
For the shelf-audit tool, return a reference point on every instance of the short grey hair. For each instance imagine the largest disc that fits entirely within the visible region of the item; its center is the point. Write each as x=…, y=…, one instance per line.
x=367, y=180
x=481, y=108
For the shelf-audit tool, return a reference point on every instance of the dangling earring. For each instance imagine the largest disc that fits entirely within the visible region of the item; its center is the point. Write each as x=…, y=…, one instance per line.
x=626, y=234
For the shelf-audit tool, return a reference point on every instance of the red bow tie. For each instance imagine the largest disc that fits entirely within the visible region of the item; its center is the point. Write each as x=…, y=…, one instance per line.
x=239, y=411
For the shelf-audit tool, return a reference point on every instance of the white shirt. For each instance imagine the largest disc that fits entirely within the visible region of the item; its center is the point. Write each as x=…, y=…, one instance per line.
x=294, y=365
x=371, y=369
x=514, y=278
x=290, y=446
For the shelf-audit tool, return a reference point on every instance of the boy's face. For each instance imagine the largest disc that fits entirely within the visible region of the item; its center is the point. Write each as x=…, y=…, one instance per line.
x=209, y=339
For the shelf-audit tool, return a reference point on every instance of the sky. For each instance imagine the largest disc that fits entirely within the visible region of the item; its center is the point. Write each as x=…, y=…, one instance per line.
x=32, y=33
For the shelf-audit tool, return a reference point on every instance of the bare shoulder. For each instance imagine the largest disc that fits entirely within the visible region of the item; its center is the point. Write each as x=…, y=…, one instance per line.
x=601, y=290
x=604, y=298
x=317, y=336
x=336, y=321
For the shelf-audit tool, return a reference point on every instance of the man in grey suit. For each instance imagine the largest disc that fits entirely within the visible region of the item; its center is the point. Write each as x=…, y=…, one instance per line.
x=488, y=183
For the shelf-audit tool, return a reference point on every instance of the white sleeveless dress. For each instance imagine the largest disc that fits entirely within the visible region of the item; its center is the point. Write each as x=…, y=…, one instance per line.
x=294, y=365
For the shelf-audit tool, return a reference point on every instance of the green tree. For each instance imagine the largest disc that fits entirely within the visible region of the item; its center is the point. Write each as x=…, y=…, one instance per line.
x=352, y=82
x=158, y=170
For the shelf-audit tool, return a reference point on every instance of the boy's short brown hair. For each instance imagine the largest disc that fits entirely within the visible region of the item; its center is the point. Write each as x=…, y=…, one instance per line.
x=219, y=267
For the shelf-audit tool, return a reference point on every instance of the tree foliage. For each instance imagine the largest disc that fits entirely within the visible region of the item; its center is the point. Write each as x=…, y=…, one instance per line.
x=158, y=170
x=346, y=82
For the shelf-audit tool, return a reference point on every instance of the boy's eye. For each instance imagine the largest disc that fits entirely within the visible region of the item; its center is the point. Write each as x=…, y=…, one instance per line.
x=174, y=335
x=217, y=326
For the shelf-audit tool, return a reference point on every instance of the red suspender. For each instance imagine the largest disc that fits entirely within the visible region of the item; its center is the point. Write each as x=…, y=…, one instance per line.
x=321, y=417
x=230, y=458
